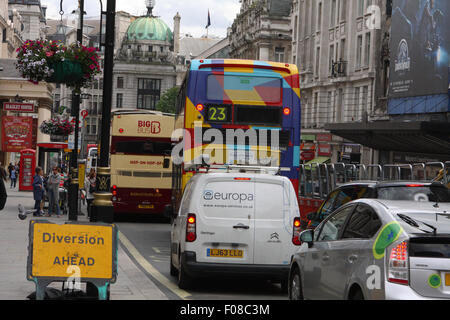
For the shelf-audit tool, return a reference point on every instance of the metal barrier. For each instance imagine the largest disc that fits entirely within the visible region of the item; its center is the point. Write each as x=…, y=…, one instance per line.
x=318, y=180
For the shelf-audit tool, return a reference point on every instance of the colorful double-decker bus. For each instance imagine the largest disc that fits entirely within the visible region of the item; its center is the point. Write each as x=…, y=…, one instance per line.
x=141, y=166
x=260, y=98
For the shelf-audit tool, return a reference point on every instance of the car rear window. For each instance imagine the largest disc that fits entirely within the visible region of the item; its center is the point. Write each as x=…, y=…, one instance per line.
x=430, y=248
x=415, y=193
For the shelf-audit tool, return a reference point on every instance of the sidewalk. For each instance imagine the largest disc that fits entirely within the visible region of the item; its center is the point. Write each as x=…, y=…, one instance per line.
x=132, y=283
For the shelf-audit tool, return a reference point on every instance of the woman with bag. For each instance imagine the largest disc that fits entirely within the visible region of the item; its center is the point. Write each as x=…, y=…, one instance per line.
x=38, y=192
x=89, y=186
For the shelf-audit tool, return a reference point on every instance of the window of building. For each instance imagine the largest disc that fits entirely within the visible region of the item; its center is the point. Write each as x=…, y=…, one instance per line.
x=367, y=50
x=150, y=48
x=149, y=91
x=319, y=17
x=333, y=13
x=4, y=35
x=357, y=106
x=331, y=58
x=365, y=99
x=330, y=107
x=279, y=54
x=359, y=51
x=342, y=49
x=92, y=125
x=119, y=82
x=119, y=100
x=343, y=10
x=317, y=61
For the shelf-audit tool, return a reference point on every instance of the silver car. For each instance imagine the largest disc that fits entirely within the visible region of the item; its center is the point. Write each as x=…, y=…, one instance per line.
x=375, y=249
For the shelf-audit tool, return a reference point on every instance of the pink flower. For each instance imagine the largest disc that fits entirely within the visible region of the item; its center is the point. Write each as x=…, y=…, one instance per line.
x=92, y=67
x=49, y=54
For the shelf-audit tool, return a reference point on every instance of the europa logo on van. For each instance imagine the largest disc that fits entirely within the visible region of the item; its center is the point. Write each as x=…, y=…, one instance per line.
x=210, y=195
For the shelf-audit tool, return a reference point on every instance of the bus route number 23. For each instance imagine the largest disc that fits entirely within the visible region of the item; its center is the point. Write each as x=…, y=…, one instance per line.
x=217, y=114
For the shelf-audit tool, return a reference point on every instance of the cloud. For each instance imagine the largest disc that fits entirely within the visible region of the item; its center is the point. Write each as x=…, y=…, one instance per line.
x=193, y=13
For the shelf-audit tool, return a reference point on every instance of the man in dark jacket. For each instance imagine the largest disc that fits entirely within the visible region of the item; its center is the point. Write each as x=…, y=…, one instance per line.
x=3, y=195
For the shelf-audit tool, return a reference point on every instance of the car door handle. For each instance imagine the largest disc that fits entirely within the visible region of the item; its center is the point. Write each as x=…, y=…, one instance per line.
x=241, y=226
x=352, y=258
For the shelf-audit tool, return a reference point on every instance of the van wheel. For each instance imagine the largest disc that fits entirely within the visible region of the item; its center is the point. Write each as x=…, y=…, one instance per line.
x=295, y=286
x=184, y=280
x=173, y=270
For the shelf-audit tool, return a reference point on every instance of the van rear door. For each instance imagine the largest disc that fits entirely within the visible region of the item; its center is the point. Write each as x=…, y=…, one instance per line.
x=225, y=227
x=276, y=207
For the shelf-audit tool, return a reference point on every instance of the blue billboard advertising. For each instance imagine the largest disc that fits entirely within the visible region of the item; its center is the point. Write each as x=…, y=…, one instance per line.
x=420, y=47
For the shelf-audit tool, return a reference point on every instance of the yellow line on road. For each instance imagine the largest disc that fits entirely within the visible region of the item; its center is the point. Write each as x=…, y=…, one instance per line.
x=152, y=270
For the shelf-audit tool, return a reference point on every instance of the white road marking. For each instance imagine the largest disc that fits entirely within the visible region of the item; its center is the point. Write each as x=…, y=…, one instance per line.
x=152, y=270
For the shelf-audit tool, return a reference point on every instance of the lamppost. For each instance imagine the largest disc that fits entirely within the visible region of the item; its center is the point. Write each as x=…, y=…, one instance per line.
x=75, y=112
x=102, y=209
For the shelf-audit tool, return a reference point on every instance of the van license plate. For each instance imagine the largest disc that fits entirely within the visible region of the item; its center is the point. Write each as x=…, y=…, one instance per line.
x=447, y=279
x=225, y=253
x=146, y=206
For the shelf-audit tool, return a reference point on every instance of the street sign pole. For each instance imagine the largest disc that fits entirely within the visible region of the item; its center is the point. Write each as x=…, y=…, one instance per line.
x=102, y=208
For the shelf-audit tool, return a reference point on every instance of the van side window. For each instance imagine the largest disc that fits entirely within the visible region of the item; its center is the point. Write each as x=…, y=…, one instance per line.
x=364, y=224
x=333, y=227
x=184, y=202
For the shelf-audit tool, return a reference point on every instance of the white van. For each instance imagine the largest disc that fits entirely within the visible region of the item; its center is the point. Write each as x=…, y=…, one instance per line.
x=235, y=224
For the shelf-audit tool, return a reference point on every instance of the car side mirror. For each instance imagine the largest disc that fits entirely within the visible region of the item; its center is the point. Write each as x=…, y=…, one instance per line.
x=307, y=237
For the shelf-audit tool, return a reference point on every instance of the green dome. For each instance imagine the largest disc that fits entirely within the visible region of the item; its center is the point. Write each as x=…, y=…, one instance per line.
x=149, y=28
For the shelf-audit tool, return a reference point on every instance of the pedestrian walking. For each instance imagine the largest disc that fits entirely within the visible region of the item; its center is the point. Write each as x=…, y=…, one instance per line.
x=10, y=169
x=53, y=182
x=13, y=177
x=89, y=186
x=3, y=194
x=38, y=192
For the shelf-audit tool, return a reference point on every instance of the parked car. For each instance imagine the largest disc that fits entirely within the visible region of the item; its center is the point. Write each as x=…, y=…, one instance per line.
x=398, y=190
x=375, y=249
x=235, y=225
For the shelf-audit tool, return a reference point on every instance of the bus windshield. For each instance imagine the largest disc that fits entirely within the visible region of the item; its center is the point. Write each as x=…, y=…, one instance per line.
x=143, y=147
x=231, y=87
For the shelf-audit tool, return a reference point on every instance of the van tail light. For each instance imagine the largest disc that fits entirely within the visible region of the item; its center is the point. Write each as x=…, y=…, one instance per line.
x=191, y=226
x=398, y=270
x=296, y=232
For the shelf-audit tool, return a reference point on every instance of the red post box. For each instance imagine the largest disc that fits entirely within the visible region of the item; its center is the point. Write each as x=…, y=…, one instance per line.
x=27, y=167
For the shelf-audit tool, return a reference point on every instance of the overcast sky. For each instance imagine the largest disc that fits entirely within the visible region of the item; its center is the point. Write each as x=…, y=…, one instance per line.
x=193, y=13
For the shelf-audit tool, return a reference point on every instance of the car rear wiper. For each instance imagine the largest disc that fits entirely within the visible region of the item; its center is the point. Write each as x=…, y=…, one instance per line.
x=413, y=222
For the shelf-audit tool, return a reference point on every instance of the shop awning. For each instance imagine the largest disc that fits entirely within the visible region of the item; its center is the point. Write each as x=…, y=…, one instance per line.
x=319, y=160
x=416, y=136
x=53, y=145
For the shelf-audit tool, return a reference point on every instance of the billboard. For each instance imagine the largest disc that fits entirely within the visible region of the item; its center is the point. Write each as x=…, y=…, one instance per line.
x=420, y=46
x=17, y=133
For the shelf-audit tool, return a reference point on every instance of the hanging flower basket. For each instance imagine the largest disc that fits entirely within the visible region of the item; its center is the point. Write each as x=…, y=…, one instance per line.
x=57, y=127
x=42, y=60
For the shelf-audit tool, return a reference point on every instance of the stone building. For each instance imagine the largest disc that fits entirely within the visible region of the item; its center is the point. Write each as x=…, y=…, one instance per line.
x=15, y=26
x=33, y=18
x=262, y=31
x=338, y=51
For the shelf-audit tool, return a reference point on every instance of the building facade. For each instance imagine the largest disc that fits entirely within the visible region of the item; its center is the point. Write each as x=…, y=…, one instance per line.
x=337, y=48
x=21, y=20
x=262, y=31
